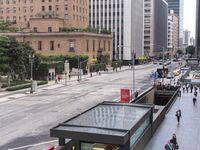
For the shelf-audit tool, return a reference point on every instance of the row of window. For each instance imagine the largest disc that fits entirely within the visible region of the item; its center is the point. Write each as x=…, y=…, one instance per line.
x=72, y=44
x=14, y=10
x=24, y=1
x=14, y=1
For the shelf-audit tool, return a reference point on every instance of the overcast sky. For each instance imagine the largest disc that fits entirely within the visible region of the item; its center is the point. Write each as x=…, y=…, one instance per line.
x=189, y=19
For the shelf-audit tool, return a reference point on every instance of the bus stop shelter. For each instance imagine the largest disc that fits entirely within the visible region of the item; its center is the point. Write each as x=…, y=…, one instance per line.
x=108, y=125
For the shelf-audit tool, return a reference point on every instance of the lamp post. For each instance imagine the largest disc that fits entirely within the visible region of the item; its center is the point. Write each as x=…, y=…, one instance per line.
x=80, y=67
x=31, y=60
x=133, y=67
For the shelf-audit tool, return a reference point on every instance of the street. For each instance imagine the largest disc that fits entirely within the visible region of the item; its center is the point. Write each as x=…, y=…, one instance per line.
x=26, y=121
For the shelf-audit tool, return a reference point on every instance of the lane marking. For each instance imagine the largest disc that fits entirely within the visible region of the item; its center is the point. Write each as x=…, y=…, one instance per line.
x=33, y=145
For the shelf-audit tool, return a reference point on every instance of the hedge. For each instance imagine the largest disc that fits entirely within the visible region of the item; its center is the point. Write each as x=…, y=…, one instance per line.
x=116, y=64
x=24, y=86
x=97, y=67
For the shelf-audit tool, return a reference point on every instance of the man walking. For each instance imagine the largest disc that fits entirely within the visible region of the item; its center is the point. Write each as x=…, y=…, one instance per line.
x=178, y=115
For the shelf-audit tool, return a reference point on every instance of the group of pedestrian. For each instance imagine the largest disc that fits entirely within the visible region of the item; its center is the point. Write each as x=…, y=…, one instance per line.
x=172, y=143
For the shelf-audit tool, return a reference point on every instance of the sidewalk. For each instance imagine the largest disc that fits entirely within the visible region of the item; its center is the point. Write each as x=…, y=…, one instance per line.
x=187, y=131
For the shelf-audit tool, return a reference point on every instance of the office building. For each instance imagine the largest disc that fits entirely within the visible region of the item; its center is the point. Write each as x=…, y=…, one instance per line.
x=74, y=12
x=155, y=27
x=197, y=43
x=172, y=32
x=124, y=18
x=177, y=6
x=192, y=41
x=186, y=38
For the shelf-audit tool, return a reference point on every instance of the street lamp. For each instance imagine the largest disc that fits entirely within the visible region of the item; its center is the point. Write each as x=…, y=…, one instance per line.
x=80, y=66
x=31, y=60
x=133, y=66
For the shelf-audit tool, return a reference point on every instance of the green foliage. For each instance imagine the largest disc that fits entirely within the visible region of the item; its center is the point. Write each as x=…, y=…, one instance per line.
x=24, y=86
x=97, y=67
x=103, y=59
x=6, y=26
x=104, y=31
x=190, y=50
x=179, y=52
x=14, y=83
x=15, y=57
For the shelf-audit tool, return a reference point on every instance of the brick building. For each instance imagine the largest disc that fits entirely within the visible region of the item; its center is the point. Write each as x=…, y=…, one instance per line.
x=42, y=24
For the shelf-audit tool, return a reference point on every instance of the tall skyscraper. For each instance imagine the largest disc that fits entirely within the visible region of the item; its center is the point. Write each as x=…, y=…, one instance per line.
x=177, y=6
x=124, y=18
x=155, y=27
x=197, y=43
x=186, y=38
x=172, y=32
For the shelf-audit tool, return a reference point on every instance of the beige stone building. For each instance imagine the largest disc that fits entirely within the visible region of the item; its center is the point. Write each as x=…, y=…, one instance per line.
x=73, y=12
x=42, y=22
x=62, y=43
x=173, y=32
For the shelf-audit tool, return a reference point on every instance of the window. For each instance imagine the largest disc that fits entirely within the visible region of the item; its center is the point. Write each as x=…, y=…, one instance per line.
x=49, y=29
x=93, y=45
x=43, y=8
x=52, y=45
x=104, y=45
x=50, y=7
x=71, y=45
x=87, y=45
x=35, y=29
x=40, y=45
x=108, y=45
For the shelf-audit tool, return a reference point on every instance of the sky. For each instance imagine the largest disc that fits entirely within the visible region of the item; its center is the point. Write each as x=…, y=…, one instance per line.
x=189, y=16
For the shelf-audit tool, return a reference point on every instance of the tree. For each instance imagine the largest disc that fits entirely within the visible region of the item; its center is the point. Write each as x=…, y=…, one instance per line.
x=180, y=52
x=15, y=57
x=6, y=26
x=190, y=50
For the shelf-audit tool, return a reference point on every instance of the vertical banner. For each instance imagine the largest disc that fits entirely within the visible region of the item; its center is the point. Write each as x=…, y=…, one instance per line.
x=125, y=95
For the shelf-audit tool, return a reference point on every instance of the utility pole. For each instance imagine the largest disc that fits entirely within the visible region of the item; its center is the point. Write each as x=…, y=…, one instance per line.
x=31, y=60
x=78, y=68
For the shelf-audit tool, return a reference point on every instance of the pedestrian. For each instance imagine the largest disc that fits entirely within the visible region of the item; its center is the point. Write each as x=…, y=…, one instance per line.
x=178, y=115
x=187, y=87
x=191, y=88
x=195, y=93
x=179, y=93
x=58, y=78
x=168, y=146
x=174, y=142
x=136, y=94
x=69, y=76
x=183, y=88
x=194, y=100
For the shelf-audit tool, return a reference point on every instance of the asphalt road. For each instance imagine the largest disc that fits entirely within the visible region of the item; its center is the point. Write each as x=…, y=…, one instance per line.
x=26, y=121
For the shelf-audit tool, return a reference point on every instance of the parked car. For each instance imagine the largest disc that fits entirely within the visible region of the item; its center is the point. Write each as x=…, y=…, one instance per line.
x=170, y=75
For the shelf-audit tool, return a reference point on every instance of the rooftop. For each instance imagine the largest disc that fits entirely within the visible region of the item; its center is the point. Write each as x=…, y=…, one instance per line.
x=108, y=119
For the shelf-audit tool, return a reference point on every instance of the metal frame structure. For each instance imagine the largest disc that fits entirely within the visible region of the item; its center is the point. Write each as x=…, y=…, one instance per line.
x=119, y=136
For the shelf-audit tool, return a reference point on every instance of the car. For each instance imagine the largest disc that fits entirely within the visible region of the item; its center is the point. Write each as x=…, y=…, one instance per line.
x=155, y=62
x=170, y=75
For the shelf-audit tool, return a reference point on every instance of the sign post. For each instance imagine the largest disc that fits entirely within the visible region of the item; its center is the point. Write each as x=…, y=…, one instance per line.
x=125, y=95
x=66, y=69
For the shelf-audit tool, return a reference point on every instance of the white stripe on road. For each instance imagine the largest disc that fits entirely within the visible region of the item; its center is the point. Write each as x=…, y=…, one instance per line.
x=33, y=145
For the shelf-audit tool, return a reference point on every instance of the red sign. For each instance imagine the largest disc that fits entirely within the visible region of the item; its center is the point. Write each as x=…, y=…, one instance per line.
x=125, y=95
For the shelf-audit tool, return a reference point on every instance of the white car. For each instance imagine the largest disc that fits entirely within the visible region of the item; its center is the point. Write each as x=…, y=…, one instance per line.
x=170, y=75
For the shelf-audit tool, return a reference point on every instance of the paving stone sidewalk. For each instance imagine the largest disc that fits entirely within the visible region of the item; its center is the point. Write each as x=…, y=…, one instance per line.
x=187, y=131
